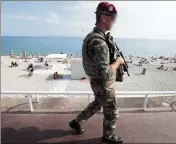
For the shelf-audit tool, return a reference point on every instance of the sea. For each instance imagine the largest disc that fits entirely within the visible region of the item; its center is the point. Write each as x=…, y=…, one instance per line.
x=45, y=45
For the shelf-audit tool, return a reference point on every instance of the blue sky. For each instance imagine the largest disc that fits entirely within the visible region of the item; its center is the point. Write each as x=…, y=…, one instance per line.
x=35, y=18
x=140, y=19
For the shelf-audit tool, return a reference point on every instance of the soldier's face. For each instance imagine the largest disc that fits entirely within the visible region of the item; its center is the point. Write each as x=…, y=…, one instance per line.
x=110, y=20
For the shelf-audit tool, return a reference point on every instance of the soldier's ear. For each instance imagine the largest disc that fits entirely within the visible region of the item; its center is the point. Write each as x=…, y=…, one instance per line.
x=103, y=18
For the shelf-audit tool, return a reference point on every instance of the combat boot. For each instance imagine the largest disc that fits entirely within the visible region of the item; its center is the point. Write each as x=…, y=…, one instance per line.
x=112, y=139
x=76, y=126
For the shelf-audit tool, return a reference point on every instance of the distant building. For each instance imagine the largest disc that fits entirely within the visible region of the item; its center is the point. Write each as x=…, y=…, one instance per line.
x=77, y=70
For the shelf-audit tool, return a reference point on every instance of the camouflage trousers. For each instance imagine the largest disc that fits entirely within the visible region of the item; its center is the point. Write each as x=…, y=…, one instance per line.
x=104, y=97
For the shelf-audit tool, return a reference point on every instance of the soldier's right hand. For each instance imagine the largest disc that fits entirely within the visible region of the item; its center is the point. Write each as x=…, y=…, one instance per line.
x=120, y=60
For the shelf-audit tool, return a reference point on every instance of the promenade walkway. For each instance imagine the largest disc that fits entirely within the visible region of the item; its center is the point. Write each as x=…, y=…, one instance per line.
x=150, y=127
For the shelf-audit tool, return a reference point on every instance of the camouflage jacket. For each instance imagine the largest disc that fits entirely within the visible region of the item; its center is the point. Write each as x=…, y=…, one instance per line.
x=96, y=57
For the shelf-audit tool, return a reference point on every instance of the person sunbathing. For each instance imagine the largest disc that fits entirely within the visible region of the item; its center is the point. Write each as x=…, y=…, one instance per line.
x=161, y=67
x=166, y=69
x=14, y=64
x=57, y=76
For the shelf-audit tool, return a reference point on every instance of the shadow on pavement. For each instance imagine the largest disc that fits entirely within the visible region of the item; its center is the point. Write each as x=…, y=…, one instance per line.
x=87, y=141
x=16, y=106
x=6, y=111
x=65, y=77
x=25, y=76
x=139, y=74
x=34, y=135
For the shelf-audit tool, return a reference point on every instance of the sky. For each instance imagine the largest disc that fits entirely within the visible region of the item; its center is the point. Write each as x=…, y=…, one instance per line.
x=136, y=19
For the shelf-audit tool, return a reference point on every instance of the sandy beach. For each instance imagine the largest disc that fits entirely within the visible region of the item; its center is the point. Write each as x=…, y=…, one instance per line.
x=17, y=79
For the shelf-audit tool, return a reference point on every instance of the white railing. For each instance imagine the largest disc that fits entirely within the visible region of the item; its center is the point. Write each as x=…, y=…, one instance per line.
x=119, y=94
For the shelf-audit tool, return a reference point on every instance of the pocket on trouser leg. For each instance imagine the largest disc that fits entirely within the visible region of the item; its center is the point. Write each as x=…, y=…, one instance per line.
x=109, y=89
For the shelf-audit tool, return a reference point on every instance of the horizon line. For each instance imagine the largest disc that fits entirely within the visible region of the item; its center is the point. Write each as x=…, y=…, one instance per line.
x=84, y=36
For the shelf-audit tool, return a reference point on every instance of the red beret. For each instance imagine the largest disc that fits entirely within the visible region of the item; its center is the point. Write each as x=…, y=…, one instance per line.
x=107, y=8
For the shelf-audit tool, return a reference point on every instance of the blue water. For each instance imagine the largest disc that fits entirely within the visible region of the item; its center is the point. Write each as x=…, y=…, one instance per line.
x=72, y=45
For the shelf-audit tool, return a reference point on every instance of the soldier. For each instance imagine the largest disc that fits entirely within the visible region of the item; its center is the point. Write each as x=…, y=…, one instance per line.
x=102, y=73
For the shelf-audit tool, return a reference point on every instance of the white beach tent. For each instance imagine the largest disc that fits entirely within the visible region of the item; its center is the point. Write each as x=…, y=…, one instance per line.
x=77, y=70
x=59, y=56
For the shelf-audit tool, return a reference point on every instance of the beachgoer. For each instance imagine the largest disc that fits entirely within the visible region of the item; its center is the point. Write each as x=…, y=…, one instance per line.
x=11, y=53
x=12, y=64
x=144, y=71
x=162, y=67
x=46, y=63
x=166, y=69
x=31, y=70
x=30, y=66
x=41, y=59
x=56, y=75
x=96, y=63
x=15, y=64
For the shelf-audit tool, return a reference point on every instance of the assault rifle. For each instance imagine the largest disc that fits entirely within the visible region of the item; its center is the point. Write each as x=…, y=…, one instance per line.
x=116, y=52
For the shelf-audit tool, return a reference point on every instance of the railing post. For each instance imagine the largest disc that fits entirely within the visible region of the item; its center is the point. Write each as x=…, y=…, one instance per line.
x=145, y=102
x=30, y=103
x=37, y=98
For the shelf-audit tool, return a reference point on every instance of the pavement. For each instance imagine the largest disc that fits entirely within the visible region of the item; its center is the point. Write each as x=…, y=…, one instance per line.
x=34, y=128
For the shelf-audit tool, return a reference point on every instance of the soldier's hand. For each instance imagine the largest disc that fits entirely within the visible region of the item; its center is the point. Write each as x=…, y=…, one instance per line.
x=117, y=63
x=120, y=60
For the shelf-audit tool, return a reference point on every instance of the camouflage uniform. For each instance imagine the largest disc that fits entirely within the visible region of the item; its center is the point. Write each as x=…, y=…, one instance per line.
x=96, y=60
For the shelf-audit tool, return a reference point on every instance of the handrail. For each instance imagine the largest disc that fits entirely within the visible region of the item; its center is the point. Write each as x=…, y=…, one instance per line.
x=124, y=94
x=89, y=92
